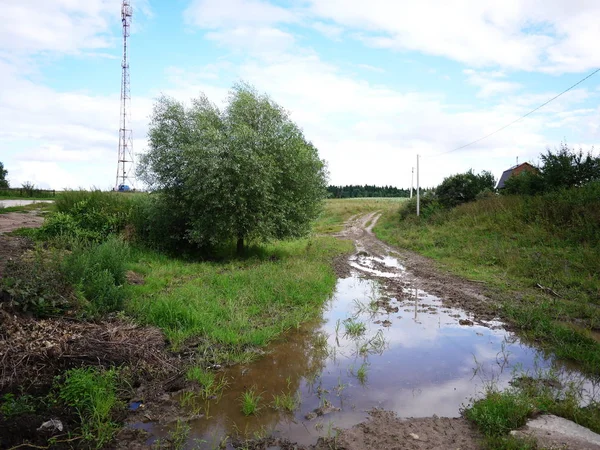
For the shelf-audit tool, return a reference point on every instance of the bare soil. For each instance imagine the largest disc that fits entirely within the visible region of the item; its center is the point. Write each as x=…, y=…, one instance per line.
x=12, y=221
x=383, y=430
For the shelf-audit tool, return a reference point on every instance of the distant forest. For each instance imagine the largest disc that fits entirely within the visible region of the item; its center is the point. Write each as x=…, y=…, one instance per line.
x=353, y=191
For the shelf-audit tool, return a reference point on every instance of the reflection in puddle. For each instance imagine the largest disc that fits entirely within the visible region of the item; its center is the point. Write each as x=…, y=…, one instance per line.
x=410, y=355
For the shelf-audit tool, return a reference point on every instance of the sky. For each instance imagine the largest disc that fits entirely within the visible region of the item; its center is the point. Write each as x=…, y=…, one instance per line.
x=371, y=83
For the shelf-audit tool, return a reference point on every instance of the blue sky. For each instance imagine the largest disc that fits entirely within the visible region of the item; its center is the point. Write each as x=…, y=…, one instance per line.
x=372, y=84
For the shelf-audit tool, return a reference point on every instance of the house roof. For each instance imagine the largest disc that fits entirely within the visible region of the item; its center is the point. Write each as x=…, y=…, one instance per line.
x=507, y=174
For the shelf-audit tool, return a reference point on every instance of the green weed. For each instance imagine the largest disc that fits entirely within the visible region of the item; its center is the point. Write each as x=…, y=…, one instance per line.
x=11, y=406
x=354, y=328
x=178, y=436
x=92, y=393
x=250, y=401
x=361, y=373
x=286, y=402
x=98, y=270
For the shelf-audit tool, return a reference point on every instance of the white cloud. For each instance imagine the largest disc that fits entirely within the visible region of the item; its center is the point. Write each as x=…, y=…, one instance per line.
x=258, y=41
x=64, y=26
x=553, y=35
x=233, y=13
x=331, y=31
x=490, y=83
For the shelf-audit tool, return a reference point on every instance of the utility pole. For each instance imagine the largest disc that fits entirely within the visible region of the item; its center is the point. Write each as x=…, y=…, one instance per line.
x=412, y=181
x=418, y=193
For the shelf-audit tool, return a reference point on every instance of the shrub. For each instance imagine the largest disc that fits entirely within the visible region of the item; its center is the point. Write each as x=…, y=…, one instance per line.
x=91, y=215
x=93, y=394
x=98, y=271
x=428, y=207
x=156, y=224
x=463, y=188
x=34, y=284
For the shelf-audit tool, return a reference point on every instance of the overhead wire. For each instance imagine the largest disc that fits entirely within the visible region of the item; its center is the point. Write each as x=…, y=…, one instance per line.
x=520, y=118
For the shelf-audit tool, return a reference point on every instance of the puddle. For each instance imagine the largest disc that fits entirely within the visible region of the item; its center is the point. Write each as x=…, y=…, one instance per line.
x=410, y=355
x=10, y=203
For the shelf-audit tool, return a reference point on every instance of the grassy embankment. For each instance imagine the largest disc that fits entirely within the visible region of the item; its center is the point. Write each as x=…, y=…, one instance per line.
x=539, y=259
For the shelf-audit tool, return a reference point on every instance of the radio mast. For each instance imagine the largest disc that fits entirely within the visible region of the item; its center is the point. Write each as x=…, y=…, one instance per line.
x=125, y=159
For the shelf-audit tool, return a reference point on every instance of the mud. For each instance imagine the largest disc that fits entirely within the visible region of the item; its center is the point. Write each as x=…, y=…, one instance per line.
x=12, y=221
x=384, y=430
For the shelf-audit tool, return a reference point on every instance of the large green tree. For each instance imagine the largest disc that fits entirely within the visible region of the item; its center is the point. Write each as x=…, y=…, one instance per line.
x=3, y=173
x=242, y=173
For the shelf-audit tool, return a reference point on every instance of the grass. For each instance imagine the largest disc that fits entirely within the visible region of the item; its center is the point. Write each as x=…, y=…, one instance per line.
x=211, y=386
x=497, y=413
x=338, y=211
x=92, y=392
x=514, y=244
x=250, y=401
x=237, y=305
x=361, y=373
x=354, y=328
x=286, y=402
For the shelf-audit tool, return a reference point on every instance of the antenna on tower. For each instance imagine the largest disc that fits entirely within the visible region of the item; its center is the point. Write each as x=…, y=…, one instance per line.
x=125, y=159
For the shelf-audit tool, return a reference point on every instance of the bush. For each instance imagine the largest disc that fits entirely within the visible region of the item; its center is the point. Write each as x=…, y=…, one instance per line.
x=463, y=188
x=34, y=284
x=156, y=225
x=93, y=394
x=91, y=215
x=98, y=272
x=428, y=207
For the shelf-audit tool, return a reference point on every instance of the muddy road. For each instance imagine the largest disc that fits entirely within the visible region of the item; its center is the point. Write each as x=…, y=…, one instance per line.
x=399, y=346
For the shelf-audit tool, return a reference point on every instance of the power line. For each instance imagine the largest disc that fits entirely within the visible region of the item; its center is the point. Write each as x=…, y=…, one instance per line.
x=520, y=118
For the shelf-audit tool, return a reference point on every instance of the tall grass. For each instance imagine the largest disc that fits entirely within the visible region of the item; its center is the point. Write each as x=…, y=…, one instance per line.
x=98, y=272
x=516, y=244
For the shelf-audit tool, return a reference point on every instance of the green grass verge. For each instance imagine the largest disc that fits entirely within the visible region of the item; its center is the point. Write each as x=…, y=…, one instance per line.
x=507, y=243
x=239, y=304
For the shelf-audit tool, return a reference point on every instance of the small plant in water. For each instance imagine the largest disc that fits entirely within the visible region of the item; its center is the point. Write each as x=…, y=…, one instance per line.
x=286, y=402
x=179, y=435
x=354, y=328
x=250, y=402
x=361, y=373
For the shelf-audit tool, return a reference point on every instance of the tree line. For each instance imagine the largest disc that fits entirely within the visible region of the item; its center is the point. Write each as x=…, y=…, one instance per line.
x=357, y=191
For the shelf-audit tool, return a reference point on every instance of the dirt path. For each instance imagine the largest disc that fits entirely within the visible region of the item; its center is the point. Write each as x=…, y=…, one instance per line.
x=12, y=221
x=12, y=246
x=418, y=270
x=383, y=429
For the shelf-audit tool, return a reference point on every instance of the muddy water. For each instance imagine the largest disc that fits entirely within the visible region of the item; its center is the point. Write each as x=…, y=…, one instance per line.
x=414, y=357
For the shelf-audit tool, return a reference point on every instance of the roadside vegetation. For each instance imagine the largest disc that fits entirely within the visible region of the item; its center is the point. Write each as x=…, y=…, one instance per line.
x=218, y=284
x=536, y=253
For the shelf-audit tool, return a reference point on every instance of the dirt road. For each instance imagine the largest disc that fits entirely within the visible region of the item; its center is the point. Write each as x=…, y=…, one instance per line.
x=417, y=270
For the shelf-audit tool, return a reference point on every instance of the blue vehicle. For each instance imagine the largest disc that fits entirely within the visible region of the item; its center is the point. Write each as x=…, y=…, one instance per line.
x=123, y=188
